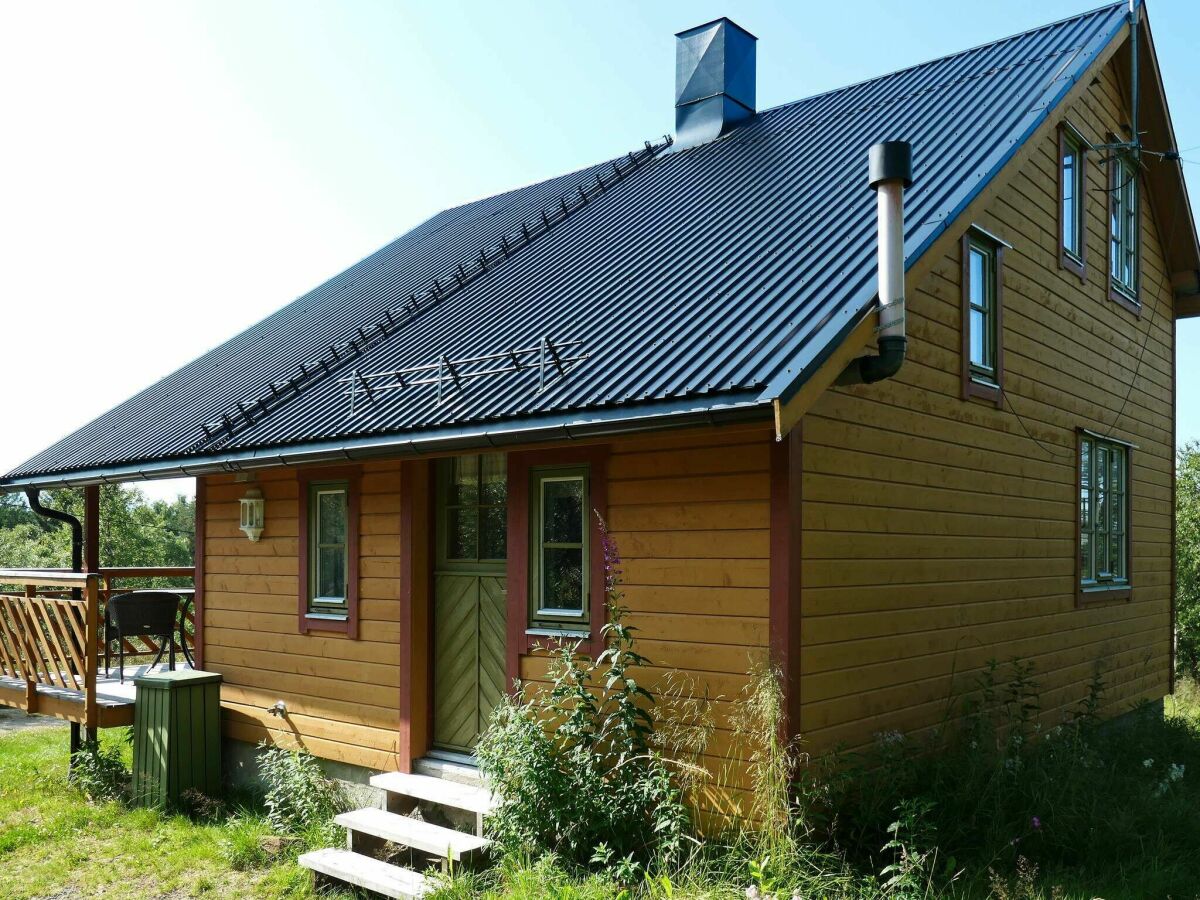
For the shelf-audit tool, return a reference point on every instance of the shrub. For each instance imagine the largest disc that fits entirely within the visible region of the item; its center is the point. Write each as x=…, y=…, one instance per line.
x=574, y=764
x=1002, y=797
x=300, y=800
x=99, y=772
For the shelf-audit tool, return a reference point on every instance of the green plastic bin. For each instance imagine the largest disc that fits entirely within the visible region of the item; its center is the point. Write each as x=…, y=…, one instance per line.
x=176, y=736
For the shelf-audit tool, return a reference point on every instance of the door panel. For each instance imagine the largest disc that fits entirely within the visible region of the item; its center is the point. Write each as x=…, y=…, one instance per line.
x=492, y=632
x=469, y=669
x=456, y=661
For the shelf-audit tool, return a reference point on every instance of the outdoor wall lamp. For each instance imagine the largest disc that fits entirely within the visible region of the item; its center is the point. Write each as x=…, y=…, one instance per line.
x=252, y=513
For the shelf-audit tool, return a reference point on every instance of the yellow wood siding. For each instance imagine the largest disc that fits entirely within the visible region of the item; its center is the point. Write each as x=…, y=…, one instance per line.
x=342, y=695
x=940, y=533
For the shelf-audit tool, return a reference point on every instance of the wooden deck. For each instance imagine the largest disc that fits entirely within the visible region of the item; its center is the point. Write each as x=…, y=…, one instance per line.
x=114, y=700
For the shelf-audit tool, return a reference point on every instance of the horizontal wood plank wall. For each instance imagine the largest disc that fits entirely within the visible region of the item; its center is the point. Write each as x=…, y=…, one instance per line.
x=939, y=533
x=690, y=513
x=342, y=696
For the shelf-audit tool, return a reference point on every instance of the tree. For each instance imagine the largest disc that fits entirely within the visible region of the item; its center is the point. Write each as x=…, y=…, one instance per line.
x=1187, y=561
x=133, y=531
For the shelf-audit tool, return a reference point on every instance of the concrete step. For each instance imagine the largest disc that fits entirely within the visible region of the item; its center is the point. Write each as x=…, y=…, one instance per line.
x=445, y=843
x=461, y=770
x=365, y=872
x=466, y=797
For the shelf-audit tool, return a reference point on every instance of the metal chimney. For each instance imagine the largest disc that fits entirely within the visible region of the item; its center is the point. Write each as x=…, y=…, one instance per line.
x=714, y=81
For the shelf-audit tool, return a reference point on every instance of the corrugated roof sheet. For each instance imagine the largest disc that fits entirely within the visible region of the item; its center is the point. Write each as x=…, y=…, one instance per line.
x=713, y=276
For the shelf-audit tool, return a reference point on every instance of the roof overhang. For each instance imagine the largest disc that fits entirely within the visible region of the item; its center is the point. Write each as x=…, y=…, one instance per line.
x=1168, y=191
x=576, y=426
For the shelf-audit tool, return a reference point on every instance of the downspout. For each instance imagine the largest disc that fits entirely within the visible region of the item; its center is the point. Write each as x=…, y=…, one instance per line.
x=35, y=503
x=890, y=172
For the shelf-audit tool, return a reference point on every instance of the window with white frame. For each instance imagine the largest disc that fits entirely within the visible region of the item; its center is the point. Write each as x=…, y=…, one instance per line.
x=1103, y=513
x=982, y=319
x=1071, y=161
x=1123, y=226
x=328, y=509
x=558, y=571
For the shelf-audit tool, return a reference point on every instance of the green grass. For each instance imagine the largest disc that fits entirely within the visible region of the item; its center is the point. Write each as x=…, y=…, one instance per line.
x=55, y=843
x=1106, y=832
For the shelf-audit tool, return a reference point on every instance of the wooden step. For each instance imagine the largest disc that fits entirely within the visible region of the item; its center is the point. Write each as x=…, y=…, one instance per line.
x=365, y=872
x=477, y=800
x=445, y=843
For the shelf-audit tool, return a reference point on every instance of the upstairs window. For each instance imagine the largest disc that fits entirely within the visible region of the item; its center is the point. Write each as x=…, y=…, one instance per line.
x=1103, y=514
x=982, y=350
x=1123, y=229
x=1072, y=181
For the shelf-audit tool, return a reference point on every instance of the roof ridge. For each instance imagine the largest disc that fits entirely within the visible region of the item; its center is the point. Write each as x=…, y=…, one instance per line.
x=280, y=392
x=946, y=56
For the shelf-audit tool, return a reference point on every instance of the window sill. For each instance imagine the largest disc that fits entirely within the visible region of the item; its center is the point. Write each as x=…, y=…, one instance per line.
x=1123, y=298
x=574, y=634
x=315, y=621
x=1101, y=594
x=973, y=388
x=1072, y=263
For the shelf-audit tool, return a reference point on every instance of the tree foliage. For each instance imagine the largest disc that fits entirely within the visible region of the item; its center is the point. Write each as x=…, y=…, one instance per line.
x=134, y=531
x=1187, y=560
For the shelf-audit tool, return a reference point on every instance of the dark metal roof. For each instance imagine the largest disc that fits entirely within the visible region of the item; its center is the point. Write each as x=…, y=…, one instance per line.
x=710, y=279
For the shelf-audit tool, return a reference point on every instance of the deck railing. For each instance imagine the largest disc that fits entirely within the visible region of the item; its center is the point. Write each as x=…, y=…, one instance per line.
x=114, y=580
x=50, y=633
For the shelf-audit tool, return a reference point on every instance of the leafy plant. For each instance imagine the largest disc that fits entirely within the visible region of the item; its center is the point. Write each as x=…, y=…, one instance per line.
x=99, y=772
x=1187, y=561
x=574, y=761
x=299, y=798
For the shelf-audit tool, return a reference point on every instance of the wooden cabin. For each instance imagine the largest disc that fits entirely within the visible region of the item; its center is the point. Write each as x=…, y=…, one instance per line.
x=684, y=339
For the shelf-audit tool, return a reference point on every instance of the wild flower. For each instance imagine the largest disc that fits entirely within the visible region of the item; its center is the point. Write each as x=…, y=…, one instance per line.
x=1174, y=773
x=1147, y=763
x=1035, y=823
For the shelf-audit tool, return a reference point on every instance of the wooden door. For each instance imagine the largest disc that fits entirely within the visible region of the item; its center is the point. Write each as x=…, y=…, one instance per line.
x=468, y=599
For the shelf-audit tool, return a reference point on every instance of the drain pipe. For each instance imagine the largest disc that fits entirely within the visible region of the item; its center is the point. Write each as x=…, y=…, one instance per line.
x=35, y=503
x=890, y=172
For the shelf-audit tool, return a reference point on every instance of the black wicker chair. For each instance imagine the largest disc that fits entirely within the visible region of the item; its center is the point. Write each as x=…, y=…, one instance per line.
x=140, y=614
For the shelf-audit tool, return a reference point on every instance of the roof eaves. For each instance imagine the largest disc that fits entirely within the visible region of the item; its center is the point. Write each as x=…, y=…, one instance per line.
x=571, y=426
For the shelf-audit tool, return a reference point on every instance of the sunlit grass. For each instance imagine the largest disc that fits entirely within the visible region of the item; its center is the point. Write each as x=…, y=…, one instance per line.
x=53, y=842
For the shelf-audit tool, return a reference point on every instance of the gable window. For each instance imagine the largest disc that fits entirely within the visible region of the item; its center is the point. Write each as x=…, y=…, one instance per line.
x=1123, y=230
x=329, y=550
x=982, y=349
x=1072, y=186
x=558, y=565
x=1104, y=544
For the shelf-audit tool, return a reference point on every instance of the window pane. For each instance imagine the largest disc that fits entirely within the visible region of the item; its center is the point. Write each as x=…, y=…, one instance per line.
x=1085, y=483
x=493, y=532
x=461, y=536
x=978, y=276
x=464, y=481
x=1085, y=556
x=562, y=579
x=562, y=511
x=331, y=517
x=331, y=572
x=978, y=339
x=493, y=487
x=1068, y=210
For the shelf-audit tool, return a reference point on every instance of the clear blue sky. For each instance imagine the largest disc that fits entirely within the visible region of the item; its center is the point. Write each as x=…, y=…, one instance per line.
x=172, y=172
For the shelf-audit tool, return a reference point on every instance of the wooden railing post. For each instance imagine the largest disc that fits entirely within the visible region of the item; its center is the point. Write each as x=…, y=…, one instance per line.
x=31, y=668
x=91, y=651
